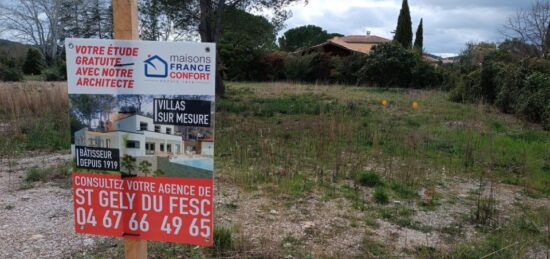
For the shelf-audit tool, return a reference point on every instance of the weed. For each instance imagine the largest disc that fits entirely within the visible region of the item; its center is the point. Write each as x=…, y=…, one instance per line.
x=403, y=191
x=380, y=195
x=374, y=248
x=59, y=174
x=34, y=174
x=370, y=179
x=223, y=242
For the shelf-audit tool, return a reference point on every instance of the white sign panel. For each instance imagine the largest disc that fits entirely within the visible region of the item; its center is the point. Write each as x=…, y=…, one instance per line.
x=140, y=67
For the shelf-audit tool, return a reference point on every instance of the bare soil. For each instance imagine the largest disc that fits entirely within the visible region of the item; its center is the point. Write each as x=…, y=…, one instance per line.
x=38, y=222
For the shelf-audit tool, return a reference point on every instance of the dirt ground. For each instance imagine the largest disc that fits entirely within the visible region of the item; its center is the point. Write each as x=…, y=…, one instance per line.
x=37, y=222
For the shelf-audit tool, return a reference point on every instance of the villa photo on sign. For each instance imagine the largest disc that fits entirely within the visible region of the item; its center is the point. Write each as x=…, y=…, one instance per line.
x=143, y=135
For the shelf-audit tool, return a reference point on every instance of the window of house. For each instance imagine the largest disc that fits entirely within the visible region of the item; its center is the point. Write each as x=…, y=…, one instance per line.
x=143, y=125
x=98, y=142
x=150, y=146
x=157, y=128
x=132, y=144
x=168, y=131
x=162, y=147
x=92, y=142
x=169, y=147
x=107, y=143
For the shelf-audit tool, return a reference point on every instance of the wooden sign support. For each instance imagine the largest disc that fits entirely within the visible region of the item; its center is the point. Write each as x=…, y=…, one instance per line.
x=125, y=22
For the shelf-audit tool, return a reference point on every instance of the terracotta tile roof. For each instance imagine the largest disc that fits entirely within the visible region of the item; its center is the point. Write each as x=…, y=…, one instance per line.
x=363, y=39
x=356, y=43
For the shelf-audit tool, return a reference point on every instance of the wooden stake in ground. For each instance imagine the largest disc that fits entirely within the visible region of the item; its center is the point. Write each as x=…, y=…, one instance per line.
x=125, y=21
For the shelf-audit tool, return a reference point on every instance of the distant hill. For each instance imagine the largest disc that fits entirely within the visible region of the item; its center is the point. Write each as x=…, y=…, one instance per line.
x=13, y=49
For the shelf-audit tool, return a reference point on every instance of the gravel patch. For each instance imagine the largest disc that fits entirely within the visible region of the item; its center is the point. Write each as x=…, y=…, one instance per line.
x=37, y=222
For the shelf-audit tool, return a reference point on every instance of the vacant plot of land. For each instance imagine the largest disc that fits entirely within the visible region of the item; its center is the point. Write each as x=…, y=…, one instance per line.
x=313, y=171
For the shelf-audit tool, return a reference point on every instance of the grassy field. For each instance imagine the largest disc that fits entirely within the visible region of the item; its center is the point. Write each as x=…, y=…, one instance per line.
x=472, y=179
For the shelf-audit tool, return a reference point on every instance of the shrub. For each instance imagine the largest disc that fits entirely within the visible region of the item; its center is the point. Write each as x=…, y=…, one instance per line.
x=311, y=68
x=34, y=175
x=467, y=88
x=388, y=64
x=511, y=81
x=370, y=179
x=425, y=75
x=269, y=67
x=34, y=62
x=55, y=73
x=533, y=101
x=380, y=195
x=12, y=74
x=346, y=69
x=222, y=240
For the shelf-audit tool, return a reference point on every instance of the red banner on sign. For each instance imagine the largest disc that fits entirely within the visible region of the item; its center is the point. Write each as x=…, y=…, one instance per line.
x=178, y=210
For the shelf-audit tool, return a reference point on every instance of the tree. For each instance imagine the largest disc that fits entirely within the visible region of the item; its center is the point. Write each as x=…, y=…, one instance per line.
x=34, y=62
x=302, y=37
x=205, y=17
x=145, y=167
x=86, y=19
x=245, y=36
x=154, y=23
x=530, y=25
x=389, y=64
x=474, y=54
x=128, y=162
x=518, y=48
x=419, y=40
x=547, y=41
x=35, y=22
x=403, y=32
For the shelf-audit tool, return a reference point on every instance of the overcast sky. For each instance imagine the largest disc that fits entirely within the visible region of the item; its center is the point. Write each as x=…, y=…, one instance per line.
x=448, y=24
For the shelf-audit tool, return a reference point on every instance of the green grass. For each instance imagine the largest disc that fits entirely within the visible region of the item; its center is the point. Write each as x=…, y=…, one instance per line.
x=60, y=174
x=330, y=133
x=370, y=179
x=299, y=141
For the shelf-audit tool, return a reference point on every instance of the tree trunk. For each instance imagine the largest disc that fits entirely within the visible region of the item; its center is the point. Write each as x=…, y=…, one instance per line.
x=209, y=34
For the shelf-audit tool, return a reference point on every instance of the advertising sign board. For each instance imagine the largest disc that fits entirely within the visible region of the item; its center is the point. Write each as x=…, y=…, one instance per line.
x=142, y=124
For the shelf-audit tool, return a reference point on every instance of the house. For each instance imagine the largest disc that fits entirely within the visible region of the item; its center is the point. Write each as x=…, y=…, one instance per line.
x=363, y=44
x=431, y=59
x=346, y=45
x=135, y=135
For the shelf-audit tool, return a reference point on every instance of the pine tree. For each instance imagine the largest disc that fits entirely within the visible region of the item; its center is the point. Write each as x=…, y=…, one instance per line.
x=403, y=33
x=149, y=14
x=34, y=62
x=419, y=40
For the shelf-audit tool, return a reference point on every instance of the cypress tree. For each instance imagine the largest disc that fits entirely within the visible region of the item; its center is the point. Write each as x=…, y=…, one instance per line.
x=419, y=40
x=403, y=33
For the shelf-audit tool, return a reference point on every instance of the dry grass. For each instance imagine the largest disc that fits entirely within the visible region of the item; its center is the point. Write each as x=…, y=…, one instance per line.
x=33, y=116
x=18, y=100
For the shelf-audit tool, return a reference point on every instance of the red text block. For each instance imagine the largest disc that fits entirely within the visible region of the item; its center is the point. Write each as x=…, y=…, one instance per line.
x=178, y=210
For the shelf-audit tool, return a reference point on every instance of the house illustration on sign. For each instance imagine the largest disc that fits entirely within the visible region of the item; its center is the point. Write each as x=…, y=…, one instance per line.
x=155, y=66
x=137, y=135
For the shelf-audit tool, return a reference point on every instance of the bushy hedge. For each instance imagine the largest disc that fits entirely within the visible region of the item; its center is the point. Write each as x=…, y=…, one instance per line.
x=10, y=73
x=55, y=73
x=389, y=65
x=10, y=70
x=514, y=84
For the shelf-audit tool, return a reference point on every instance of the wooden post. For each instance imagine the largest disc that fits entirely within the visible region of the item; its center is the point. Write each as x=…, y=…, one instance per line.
x=125, y=19
x=125, y=22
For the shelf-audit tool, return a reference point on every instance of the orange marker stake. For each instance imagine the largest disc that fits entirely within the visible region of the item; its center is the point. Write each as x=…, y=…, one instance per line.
x=414, y=105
